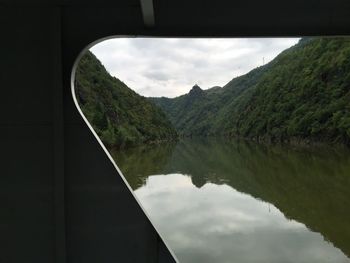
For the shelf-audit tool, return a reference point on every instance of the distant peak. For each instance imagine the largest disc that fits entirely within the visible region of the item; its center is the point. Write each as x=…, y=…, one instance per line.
x=196, y=90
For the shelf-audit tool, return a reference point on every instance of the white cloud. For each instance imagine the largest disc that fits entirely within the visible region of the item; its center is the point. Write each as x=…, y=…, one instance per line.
x=171, y=66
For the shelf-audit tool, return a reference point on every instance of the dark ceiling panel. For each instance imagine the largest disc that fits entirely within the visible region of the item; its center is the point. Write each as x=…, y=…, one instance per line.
x=253, y=17
x=81, y=3
x=224, y=17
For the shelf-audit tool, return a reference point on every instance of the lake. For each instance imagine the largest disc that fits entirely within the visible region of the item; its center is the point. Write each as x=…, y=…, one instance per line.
x=217, y=200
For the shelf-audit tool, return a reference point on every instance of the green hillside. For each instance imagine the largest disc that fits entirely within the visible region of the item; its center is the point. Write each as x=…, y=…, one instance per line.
x=119, y=115
x=303, y=94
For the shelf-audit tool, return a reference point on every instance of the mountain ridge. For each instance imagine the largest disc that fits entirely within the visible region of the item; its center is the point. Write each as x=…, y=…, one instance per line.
x=119, y=115
x=302, y=94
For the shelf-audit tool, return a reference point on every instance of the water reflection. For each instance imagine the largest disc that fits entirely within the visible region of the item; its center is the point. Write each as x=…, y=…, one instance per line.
x=229, y=201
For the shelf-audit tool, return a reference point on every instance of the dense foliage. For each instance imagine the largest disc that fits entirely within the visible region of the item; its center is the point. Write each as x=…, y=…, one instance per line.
x=119, y=115
x=303, y=94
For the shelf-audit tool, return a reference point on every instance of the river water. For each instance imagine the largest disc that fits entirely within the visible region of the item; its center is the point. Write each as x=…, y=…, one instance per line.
x=216, y=200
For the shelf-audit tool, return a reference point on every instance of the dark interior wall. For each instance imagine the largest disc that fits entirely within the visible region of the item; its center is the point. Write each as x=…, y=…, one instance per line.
x=61, y=198
x=27, y=221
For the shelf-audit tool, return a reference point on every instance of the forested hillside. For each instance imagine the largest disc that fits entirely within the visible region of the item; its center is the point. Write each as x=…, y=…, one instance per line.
x=200, y=111
x=119, y=115
x=303, y=94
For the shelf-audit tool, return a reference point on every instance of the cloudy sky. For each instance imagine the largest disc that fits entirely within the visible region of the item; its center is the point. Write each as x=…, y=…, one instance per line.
x=170, y=66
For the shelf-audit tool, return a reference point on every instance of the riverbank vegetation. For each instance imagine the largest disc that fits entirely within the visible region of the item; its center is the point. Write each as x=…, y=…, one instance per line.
x=120, y=116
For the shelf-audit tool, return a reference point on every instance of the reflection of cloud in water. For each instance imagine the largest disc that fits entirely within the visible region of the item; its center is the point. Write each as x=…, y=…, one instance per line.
x=216, y=223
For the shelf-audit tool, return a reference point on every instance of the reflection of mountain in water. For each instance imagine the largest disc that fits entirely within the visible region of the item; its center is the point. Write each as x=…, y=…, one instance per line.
x=310, y=186
x=140, y=162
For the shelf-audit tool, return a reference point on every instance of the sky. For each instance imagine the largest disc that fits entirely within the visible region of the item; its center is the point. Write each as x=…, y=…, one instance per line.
x=170, y=67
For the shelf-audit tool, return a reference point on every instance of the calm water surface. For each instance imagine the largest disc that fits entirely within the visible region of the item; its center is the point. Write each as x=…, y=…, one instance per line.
x=228, y=201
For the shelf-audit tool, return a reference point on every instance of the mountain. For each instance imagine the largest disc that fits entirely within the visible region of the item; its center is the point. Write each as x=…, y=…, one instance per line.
x=119, y=115
x=303, y=94
x=188, y=112
x=202, y=113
